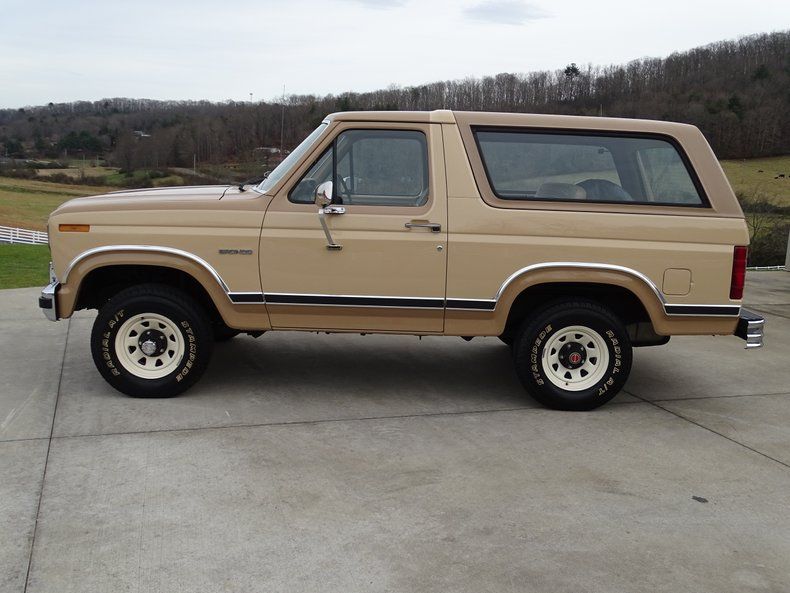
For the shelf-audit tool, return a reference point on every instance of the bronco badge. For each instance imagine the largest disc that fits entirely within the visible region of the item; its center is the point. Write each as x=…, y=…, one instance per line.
x=235, y=251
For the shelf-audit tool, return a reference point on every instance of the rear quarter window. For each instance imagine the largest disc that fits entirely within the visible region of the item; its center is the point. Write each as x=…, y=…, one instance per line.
x=532, y=165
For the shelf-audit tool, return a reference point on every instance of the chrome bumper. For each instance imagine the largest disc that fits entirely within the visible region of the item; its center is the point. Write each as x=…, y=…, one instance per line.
x=750, y=328
x=48, y=301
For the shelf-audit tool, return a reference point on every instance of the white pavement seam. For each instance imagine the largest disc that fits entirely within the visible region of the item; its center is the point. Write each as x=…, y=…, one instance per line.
x=695, y=423
x=46, y=457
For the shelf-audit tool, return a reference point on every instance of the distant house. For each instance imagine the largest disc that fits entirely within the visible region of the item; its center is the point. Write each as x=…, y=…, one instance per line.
x=141, y=134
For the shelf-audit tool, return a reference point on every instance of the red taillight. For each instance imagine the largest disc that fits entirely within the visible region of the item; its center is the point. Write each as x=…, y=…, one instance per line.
x=738, y=273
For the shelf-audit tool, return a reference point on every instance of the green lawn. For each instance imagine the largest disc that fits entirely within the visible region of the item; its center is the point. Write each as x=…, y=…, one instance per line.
x=26, y=203
x=756, y=179
x=24, y=265
x=141, y=175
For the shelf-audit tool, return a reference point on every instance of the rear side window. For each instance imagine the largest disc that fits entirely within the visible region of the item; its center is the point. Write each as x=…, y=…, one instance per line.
x=665, y=175
x=525, y=165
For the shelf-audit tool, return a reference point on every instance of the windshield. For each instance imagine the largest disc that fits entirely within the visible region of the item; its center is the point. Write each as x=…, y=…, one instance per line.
x=291, y=159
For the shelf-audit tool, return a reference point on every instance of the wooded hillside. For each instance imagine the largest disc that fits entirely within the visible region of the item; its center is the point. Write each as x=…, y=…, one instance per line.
x=737, y=92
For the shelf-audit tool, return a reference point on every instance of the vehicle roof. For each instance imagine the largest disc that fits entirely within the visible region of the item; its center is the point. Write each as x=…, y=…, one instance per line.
x=484, y=118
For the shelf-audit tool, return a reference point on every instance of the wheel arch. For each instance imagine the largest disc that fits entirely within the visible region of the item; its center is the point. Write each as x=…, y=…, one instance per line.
x=96, y=275
x=628, y=293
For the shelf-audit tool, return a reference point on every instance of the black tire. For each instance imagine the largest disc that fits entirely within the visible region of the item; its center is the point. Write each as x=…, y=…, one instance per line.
x=507, y=337
x=545, y=328
x=223, y=333
x=185, y=316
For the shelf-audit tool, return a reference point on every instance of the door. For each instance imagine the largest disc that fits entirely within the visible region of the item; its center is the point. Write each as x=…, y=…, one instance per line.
x=381, y=262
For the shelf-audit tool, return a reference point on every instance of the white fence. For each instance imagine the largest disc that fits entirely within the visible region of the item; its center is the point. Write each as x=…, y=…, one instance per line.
x=13, y=235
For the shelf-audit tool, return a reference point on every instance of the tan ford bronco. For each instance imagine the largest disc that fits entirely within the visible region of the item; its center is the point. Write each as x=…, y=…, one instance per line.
x=572, y=239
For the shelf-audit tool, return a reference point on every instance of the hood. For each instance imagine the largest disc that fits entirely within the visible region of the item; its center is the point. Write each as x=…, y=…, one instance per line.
x=142, y=198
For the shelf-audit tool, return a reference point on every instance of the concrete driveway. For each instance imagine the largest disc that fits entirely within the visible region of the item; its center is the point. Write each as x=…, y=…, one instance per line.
x=306, y=463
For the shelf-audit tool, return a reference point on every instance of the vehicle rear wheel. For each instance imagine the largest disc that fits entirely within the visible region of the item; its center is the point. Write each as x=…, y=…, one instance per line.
x=507, y=337
x=573, y=355
x=151, y=341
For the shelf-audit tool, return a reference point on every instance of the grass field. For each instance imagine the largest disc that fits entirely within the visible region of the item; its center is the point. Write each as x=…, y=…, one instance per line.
x=23, y=265
x=756, y=179
x=26, y=203
x=77, y=172
x=120, y=180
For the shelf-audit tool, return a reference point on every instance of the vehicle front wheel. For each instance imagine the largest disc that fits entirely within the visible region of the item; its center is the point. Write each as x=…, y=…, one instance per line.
x=573, y=355
x=151, y=341
x=223, y=333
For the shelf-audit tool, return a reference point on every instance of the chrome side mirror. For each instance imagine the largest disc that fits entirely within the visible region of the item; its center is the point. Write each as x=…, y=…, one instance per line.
x=323, y=199
x=323, y=194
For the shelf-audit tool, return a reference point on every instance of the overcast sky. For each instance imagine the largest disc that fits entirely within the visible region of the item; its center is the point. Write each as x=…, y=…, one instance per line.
x=51, y=50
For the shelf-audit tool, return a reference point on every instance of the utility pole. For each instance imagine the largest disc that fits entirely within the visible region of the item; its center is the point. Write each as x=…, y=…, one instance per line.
x=282, y=125
x=194, y=163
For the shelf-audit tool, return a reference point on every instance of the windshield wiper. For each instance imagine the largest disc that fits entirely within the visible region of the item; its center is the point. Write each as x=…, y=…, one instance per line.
x=254, y=180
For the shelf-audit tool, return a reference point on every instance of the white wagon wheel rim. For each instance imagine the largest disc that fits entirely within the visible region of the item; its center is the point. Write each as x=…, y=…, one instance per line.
x=149, y=346
x=575, y=358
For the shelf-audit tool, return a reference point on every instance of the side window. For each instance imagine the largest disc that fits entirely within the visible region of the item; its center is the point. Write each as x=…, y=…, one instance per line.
x=381, y=168
x=304, y=191
x=524, y=165
x=665, y=175
x=372, y=168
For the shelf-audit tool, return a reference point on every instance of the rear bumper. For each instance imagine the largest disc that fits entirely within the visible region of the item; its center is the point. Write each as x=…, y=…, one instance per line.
x=750, y=328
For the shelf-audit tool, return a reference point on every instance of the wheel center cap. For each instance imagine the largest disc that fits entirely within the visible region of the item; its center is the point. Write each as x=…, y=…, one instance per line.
x=572, y=355
x=152, y=342
x=148, y=347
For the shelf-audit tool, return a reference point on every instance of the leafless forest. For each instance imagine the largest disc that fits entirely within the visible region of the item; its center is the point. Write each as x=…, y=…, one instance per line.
x=737, y=92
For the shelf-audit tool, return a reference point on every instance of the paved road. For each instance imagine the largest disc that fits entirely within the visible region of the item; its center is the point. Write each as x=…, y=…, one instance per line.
x=308, y=463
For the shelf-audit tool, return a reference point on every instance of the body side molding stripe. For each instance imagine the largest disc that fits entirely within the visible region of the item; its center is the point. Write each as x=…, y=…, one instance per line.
x=471, y=305
x=279, y=298
x=482, y=305
x=246, y=298
x=704, y=310
x=398, y=302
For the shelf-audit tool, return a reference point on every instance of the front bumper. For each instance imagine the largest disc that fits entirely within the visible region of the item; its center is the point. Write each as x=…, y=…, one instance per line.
x=48, y=301
x=750, y=328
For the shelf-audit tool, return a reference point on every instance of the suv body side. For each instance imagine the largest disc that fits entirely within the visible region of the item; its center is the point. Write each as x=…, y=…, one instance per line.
x=491, y=252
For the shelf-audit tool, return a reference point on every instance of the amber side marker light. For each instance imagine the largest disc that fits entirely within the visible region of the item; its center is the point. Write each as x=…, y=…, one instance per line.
x=74, y=228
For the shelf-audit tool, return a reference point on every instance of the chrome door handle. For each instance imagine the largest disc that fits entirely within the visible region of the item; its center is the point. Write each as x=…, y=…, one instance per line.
x=334, y=209
x=435, y=227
